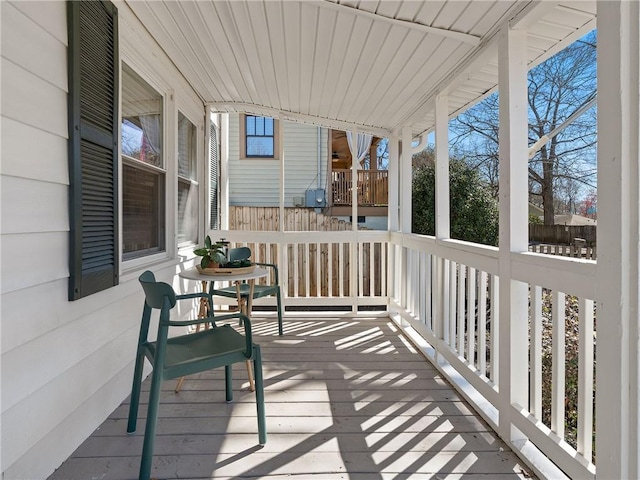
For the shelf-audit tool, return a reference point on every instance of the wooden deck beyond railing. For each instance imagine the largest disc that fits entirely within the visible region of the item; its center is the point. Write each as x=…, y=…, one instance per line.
x=345, y=398
x=373, y=187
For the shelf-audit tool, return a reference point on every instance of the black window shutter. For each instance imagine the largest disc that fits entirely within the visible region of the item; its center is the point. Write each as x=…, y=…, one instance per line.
x=93, y=146
x=213, y=169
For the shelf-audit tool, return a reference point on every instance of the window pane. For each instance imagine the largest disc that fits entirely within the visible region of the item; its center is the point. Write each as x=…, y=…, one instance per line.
x=142, y=211
x=187, y=190
x=186, y=148
x=259, y=136
x=187, y=212
x=141, y=119
x=251, y=125
x=260, y=146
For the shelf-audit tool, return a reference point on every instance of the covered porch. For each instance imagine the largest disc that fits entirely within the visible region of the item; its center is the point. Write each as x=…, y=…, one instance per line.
x=417, y=314
x=346, y=398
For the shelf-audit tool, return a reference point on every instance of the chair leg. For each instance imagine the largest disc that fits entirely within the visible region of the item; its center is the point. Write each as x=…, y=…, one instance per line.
x=262, y=424
x=150, y=429
x=278, y=299
x=252, y=383
x=228, y=383
x=135, y=394
x=179, y=385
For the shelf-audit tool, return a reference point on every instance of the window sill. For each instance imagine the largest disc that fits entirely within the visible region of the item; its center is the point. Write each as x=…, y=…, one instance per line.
x=130, y=269
x=259, y=159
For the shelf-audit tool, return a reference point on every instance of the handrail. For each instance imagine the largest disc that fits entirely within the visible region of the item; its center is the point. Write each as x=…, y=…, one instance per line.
x=373, y=187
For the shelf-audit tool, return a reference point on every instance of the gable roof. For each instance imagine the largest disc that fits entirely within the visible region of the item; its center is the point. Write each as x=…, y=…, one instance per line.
x=377, y=65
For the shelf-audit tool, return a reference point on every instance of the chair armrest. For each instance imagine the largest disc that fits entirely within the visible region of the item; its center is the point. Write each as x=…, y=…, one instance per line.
x=188, y=296
x=274, y=267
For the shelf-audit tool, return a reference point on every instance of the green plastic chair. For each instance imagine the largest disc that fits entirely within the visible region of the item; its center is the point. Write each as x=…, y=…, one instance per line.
x=259, y=291
x=174, y=357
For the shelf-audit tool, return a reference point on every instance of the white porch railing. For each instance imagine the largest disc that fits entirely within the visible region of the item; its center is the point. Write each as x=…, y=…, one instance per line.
x=444, y=294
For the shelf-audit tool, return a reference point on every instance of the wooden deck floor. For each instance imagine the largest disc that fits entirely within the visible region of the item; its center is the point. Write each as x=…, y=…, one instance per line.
x=346, y=398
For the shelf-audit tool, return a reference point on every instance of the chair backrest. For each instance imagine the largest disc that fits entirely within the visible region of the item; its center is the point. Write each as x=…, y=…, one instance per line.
x=155, y=292
x=239, y=253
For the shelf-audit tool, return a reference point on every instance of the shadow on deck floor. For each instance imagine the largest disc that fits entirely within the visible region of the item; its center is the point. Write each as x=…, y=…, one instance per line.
x=345, y=399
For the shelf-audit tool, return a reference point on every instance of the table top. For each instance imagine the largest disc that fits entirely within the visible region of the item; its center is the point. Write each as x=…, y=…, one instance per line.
x=194, y=274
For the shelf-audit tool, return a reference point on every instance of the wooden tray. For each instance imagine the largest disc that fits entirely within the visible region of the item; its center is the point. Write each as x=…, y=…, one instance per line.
x=226, y=270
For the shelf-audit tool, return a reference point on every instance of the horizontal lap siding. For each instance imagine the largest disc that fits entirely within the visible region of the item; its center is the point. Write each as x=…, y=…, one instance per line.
x=65, y=365
x=256, y=182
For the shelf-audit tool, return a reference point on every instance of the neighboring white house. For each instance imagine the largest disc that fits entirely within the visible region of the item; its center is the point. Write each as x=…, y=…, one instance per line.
x=254, y=179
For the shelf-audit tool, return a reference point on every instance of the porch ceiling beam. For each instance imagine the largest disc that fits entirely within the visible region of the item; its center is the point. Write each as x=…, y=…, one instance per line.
x=531, y=14
x=442, y=32
x=242, y=107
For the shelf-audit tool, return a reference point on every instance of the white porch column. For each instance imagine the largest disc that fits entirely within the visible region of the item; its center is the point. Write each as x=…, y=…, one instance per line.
x=281, y=154
x=618, y=238
x=443, y=213
x=354, y=263
x=354, y=184
x=514, y=233
x=282, y=247
x=394, y=182
x=405, y=216
x=405, y=181
x=392, y=214
x=224, y=171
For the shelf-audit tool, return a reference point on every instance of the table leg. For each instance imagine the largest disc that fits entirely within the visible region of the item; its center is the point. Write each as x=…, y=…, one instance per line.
x=245, y=308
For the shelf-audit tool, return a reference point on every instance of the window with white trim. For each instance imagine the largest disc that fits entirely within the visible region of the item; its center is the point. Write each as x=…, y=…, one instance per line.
x=187, y=181
x=258, y=137
x=143, y=168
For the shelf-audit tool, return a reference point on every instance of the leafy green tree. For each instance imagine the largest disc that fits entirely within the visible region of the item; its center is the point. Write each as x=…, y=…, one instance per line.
x=474, y=211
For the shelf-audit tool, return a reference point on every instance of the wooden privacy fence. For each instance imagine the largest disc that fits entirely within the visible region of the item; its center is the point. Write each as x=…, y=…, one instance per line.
x=266, y=219
x=319, y=267
x=562, y=234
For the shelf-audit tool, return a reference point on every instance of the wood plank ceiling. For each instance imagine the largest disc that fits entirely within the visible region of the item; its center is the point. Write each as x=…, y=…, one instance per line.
x=373, y=64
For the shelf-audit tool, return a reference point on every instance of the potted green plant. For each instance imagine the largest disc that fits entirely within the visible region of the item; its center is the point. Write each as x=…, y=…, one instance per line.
x=213, y=253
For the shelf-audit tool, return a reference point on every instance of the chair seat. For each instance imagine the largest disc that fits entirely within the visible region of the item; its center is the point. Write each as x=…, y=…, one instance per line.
x=258, y=291
x=214, y=346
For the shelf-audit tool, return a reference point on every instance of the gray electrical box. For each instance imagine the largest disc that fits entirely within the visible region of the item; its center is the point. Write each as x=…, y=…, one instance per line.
x=315, y=198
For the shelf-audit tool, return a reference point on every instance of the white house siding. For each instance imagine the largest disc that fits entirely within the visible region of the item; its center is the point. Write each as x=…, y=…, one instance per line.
x=256, y=182
x=65, y=365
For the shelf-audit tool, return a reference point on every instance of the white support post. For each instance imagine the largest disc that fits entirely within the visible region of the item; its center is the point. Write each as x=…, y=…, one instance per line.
x=513, y=303
x=618, y=237
x=282, y=170
x=442, y=212
x=405, y=213
x=392, y=214
x=224, y=171
x=282, y=252
x=558, y=363
x=354, y=264
x=405, y=181
x=394, y=182
x=535, y=353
